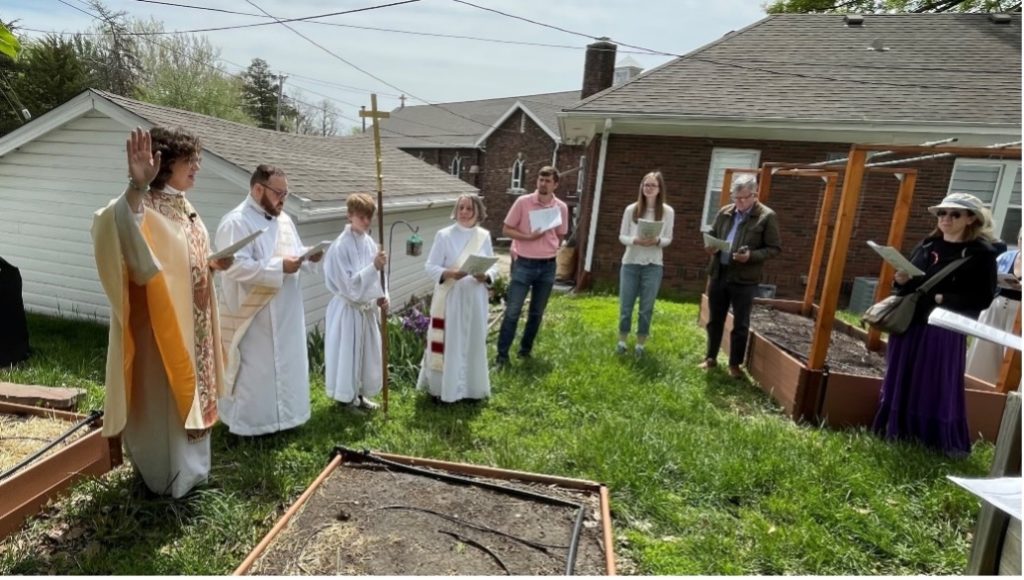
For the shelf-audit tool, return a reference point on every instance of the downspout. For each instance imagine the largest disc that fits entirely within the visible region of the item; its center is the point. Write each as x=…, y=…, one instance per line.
x=598, y=185
x=554, y=155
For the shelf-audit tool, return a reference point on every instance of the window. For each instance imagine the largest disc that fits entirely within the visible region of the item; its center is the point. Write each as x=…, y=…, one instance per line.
x=518, y=174
x=722, y=159
x=522, y=122
x=456, y=166
x=581, y=175
x=997, y=184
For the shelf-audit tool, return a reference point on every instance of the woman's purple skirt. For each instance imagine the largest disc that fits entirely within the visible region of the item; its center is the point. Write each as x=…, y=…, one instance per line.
x=923, y=390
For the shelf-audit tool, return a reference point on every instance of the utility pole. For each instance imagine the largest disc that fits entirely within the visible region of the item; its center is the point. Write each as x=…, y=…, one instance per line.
x=280, y=98
x=362, y=113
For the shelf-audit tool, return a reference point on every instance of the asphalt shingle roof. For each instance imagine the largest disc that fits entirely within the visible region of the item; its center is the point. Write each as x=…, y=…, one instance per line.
x=430, y=126
x=320, y=169
x=933, y=68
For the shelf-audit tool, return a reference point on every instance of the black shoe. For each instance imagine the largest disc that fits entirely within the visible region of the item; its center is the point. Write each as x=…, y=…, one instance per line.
x=525, y=355
x=501, y=362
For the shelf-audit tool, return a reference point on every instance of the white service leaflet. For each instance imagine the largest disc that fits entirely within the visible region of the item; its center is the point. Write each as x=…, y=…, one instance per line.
x=319, y=247
x=958, y=323
x=713, y=242
x=477, y=264
x=1002, y=492
x=894, y=257
x=230, y=250
x=542, y=220
x=648, y=230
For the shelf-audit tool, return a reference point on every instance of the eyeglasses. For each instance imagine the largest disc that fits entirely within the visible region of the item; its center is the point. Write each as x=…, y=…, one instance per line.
x=952, y=214
x=743, y=197
x=279, y=194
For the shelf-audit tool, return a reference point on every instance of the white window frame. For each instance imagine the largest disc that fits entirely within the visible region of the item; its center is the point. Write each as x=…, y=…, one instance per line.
x=711, y=196
x=455, y=167
x=518, y=176
x=581, y=175
x=1000, y=205
x=522, y=122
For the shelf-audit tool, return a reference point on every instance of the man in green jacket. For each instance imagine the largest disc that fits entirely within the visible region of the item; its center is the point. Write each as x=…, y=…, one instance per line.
x=752, y=231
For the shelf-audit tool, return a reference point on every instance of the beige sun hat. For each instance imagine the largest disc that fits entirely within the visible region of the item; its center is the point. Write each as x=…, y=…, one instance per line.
x=960, y=201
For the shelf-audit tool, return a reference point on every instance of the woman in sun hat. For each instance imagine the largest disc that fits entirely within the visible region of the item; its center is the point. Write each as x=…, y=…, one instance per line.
x=923, y=391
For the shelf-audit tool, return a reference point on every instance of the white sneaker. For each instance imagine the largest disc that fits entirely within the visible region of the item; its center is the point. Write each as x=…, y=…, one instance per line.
x=620, y=348
x=639, y=351
x=367, y=403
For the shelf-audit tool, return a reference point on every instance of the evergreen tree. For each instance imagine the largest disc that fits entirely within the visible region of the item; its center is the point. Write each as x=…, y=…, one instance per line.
x=49, y=73
x=260, y=91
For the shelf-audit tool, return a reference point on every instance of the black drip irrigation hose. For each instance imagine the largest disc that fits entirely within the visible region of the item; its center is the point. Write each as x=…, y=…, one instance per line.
x=91, y=419
x=570, y=565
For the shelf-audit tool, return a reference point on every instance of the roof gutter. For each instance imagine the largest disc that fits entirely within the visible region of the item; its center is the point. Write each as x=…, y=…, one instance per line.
x=598, y=187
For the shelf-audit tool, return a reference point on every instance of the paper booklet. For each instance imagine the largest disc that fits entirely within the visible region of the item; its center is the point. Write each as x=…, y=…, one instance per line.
x=477, y=264
x=316, y=249
x=1004, y=493
x=1007, y=280
x=648, y=230
x=958, y=323
x=230, y=250
x=894, y=257
x=542, y=220
x=713, y=242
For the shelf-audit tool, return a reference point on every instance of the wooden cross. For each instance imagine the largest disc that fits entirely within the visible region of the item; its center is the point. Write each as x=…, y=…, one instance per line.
x=374, y=114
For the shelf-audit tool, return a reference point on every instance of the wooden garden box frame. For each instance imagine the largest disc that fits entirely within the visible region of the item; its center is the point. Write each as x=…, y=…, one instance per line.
x=809, y=391
x=458, y=468
x=25, y=493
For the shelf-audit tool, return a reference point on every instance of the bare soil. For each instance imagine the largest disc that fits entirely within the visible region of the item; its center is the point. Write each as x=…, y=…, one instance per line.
x=794, y=333
x=369, y=520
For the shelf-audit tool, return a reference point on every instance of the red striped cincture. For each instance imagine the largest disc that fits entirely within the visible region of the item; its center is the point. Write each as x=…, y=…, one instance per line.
x=435, y=340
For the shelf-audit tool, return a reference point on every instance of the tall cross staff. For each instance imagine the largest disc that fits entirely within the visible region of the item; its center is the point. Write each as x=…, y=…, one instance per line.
x=374, y=114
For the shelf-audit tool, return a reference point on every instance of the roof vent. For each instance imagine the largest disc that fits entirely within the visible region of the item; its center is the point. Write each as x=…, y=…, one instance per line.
x=878, y=46
x=999, y=18
x=854, y=19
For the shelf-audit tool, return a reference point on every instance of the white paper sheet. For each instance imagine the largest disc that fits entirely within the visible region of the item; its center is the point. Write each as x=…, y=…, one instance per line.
x=477, y=264
x=542, y=220
x=952, y=321
x=230, y=250
x=648, y=230
x=894, y=257
x=713, y=242
x=1001, y=492
x=319, y=247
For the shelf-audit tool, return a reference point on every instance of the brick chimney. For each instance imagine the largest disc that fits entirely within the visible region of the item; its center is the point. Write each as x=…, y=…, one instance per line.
x=598, y=67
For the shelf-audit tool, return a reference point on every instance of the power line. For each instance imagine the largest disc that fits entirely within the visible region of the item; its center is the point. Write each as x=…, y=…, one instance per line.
x=362, y=70
x=391, y=30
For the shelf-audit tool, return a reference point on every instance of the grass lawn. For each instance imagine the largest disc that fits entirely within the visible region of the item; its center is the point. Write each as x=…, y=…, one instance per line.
x=706, y=475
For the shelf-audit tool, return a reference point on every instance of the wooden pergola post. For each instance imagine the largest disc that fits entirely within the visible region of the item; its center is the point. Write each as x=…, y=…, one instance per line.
x=1009, y=374
x=764, y=188
x=819, y=245
x=897, y=229
x=852, y=182
x=723, y=196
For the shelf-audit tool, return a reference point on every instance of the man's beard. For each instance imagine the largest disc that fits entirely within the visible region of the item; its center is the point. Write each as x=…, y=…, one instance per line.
x=269, y=207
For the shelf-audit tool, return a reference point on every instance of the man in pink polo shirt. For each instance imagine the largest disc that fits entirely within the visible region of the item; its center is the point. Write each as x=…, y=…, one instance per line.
x=533, y=263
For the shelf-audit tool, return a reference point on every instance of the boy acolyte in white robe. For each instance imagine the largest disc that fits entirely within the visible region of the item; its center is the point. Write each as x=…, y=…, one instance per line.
x=464, y=374
x=268, y=373
x=352, y=342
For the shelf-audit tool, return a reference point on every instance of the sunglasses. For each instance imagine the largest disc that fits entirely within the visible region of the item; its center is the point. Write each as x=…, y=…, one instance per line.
x=952, y=214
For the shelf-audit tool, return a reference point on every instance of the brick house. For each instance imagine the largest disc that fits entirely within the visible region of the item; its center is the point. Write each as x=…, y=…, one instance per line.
x=802, y=88
x=499, y=145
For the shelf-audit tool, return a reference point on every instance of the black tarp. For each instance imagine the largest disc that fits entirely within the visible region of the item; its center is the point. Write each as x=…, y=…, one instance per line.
x=13, y=324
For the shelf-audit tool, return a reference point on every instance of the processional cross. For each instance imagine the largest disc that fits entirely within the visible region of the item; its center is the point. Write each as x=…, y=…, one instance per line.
x=374, y=114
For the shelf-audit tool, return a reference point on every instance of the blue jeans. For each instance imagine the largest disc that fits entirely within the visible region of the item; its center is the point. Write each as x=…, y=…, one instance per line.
x=538, y=278
x=643, y=281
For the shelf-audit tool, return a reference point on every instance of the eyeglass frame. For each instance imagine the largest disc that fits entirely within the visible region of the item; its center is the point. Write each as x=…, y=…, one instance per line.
x=952, y=213
x=735, y=197
x=280, y=194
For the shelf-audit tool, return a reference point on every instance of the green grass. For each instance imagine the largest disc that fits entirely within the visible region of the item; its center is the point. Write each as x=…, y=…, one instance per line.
x=706, y=475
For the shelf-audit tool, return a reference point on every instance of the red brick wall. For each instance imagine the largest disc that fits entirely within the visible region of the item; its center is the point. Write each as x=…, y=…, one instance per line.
x=685, y=162
x=442, y=159
x=502, y=148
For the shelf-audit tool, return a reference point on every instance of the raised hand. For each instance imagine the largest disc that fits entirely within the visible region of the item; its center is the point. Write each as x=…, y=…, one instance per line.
x=142, y=164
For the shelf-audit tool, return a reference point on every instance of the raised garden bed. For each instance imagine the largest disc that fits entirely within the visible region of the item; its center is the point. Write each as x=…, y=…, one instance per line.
x=847, y=394
x=26, y=489
x=370, y=514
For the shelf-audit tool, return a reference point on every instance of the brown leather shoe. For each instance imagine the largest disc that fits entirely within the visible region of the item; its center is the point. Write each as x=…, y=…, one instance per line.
x=735, y=372
x=708, y=364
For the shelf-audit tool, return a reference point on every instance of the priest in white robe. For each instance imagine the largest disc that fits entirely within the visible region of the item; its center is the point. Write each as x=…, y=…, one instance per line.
x=164, y=366
x=455, y=359
x=262, y=317
x=352, y=341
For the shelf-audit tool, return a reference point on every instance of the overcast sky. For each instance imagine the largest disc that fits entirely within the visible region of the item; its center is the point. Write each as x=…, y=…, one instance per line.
x=431, y=68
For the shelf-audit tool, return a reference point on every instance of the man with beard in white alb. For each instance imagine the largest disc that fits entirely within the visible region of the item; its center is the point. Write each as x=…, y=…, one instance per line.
x=263, y=322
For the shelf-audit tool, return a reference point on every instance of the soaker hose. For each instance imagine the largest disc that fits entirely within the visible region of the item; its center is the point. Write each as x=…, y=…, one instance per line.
x=570, y=564
x=91, y=419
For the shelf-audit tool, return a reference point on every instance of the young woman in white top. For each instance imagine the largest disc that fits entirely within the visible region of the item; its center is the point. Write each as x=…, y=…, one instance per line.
x=640, y=276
